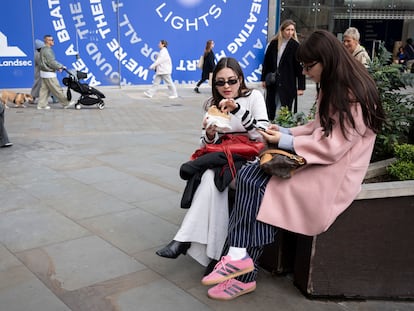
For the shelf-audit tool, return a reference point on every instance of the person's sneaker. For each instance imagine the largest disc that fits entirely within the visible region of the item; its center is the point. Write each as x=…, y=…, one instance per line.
x=71, y=104
x=45, y=107
x=172, y=96
x=227, y=269
x=231, y=289
x=147, y=94
x=7, y=145
x=196, y=90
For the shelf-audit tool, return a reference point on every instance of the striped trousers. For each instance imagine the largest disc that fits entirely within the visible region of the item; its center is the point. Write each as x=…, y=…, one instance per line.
x=244, y=230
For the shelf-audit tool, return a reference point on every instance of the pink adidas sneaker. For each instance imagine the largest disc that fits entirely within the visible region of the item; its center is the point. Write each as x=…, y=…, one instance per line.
x=231, y=289
x=227, y=269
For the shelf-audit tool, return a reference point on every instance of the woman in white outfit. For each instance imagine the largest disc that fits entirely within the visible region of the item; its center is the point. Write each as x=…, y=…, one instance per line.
x=204, y=229
x=163, y=70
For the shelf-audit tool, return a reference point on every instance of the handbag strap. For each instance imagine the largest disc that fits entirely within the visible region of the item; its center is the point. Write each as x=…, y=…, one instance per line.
x=230, y=160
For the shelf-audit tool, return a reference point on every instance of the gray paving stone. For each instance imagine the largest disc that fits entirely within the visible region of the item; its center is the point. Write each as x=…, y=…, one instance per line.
x=94, y=261
x=26, y=228
x=132, y=230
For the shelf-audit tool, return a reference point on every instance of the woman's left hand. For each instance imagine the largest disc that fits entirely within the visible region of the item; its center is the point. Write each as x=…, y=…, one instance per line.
x=271, y=136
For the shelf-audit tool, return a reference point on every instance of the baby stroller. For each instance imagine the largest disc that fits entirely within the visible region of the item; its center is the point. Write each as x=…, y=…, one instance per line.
x=89, y=95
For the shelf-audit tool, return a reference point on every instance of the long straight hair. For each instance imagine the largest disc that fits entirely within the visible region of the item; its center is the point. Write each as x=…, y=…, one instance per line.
x=344, y=81
x=209, y=47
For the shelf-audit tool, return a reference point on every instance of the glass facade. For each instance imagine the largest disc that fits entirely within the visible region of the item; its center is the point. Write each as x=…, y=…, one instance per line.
x=390, y=21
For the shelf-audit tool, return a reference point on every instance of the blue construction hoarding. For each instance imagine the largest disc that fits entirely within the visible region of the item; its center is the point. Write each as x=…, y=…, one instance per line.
x=116, y=41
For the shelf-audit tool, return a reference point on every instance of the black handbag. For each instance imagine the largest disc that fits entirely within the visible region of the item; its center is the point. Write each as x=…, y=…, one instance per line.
x=272, y=78
x=280, y=162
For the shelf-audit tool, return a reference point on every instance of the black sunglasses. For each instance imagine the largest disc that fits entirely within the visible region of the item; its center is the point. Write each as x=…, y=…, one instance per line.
x=308, y=67
x=223, y=82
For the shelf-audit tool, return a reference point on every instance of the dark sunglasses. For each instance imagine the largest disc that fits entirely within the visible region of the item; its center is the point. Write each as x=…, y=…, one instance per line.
x=308, y=67
x=223, y=83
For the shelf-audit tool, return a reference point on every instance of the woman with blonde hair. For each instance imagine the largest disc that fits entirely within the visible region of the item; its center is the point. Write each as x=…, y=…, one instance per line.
x=280, y=58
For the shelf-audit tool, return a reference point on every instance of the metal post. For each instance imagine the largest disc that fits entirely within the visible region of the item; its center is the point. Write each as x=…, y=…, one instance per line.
x=273, y=18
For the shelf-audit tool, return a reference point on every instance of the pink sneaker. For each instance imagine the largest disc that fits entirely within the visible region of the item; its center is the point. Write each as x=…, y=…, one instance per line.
x=227, y=269
x=231, y=289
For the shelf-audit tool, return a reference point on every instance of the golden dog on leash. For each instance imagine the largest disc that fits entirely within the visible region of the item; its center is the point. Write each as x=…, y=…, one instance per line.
x=18, y=99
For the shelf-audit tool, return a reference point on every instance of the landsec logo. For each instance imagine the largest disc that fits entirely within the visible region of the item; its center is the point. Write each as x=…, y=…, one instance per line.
x=115, y=42
x=13, y=52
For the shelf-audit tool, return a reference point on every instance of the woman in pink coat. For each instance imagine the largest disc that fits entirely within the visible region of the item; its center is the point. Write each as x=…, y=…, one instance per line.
x=337, y=146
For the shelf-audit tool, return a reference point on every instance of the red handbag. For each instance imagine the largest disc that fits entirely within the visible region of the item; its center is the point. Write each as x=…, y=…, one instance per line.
x=232, y=144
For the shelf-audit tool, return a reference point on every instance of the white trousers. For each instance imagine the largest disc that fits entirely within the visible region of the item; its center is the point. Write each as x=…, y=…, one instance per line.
x=167, y=80
x=206, y=222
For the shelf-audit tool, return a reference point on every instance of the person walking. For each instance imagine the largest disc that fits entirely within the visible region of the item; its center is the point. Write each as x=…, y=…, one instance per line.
x=37, y=83
x=208, y=64
x=50, y=83
x=337, y=146
x=351, y=42
x=280, y=58
x=163, y=70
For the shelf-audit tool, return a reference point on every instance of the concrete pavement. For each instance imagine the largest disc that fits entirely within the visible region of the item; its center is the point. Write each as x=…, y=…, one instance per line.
x=88, y=195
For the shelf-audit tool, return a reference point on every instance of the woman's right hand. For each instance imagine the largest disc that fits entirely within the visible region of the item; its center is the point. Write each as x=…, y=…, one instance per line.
x=210, y=130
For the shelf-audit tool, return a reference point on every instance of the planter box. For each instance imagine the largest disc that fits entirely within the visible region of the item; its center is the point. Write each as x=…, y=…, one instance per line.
x=367, y=253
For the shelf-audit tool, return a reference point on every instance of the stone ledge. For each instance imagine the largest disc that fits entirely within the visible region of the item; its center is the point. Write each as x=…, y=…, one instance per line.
x=386, y=189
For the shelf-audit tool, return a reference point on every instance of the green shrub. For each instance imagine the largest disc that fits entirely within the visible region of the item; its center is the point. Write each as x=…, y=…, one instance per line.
x=403, y=168
x=397, y=103
x=286, y=118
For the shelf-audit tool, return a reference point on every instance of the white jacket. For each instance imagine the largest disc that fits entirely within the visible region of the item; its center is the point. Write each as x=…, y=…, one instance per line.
x=163, y=64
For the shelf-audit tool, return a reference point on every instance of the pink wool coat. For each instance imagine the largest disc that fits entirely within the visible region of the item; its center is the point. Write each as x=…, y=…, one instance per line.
x=311, y=200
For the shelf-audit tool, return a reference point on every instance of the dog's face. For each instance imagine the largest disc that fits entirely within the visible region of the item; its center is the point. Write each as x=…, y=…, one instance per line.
x=28, y=98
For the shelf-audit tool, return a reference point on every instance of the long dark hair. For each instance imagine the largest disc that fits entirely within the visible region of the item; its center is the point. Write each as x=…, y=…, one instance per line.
x=233, y=64
x=344, y=81
x=209, y=47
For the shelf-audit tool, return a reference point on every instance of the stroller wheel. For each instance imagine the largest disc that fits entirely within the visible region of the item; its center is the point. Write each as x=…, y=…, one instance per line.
x=77, y=106
x=101, y=105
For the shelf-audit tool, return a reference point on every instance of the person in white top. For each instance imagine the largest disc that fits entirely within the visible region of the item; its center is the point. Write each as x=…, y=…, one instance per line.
x=163, y=70
x=203, y=231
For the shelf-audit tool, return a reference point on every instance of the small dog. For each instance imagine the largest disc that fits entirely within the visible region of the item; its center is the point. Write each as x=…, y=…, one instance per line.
x=18, y=99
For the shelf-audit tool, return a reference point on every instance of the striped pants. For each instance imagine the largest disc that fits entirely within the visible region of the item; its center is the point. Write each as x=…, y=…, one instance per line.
x=244, y=230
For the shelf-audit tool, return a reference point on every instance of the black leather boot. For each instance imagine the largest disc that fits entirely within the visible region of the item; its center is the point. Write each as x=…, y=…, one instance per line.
x=174, y=249
x=210, y=267
x=196, y=89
